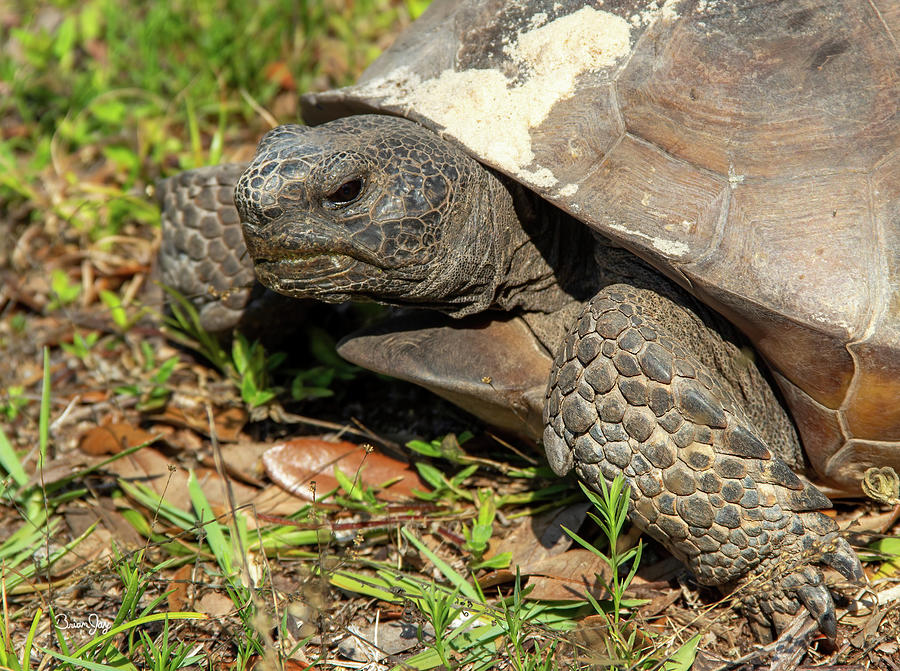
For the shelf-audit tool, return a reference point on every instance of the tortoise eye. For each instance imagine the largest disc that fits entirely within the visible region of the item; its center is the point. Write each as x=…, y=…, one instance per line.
x=346, y=192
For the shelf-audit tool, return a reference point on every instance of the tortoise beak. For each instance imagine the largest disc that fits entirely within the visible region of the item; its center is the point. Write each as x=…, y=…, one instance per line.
x=290, y=239
x=307, y=259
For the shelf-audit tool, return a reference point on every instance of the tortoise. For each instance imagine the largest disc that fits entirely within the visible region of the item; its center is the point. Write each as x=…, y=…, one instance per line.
x=685, y=215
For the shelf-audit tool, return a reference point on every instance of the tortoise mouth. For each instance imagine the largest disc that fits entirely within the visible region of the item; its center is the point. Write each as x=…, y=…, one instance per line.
x=307, y=259
x=311, y=274
x=312, y=265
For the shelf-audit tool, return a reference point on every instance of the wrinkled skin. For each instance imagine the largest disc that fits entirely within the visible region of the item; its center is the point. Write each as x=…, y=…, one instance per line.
x=646, y=382
x=406, y=199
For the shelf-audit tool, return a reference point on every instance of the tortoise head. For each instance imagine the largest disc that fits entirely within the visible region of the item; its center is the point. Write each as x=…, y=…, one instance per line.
x=371, y=208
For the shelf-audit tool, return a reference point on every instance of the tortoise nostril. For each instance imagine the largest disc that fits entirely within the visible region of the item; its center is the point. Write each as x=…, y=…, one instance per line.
x=254, y=197
x=270, y=214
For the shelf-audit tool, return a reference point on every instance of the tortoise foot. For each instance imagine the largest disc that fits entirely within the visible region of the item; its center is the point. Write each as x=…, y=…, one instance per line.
x=784, y=582
x=626, y=396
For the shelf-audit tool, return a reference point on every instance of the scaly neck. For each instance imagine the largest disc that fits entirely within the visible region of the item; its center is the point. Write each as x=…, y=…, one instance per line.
x=548, y=254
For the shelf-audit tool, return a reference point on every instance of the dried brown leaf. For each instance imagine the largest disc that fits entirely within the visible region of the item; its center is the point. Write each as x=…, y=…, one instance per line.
x=566, y=576
x=171, y=482
x=541, y=536
x=873, y=520
x=276, y=502
x=227, y=422
x=297, y=463
x=392, y=638
x=153, y=469
x=214, y=604
x=113, y=438
x=242, y=461
x=103, y=510
x=279, y=73
x=60, y=468
x=178, y=597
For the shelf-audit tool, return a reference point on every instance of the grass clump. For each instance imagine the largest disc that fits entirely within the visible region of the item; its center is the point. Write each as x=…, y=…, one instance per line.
x=102, y=98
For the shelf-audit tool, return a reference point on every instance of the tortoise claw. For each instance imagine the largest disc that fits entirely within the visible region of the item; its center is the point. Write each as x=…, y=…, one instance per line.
x=791, y=583
x=844, y=560
x=819, y=603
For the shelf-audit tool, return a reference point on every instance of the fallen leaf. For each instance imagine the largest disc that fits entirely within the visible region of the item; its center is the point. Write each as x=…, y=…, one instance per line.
x=95, y=396
x=273, y=500
x=662, y=570
x=660, y=602
x=888, y=647
x=217, y=490
x=178, y=597
x=60, y=468
x=152, y=468
x=93, y=548
x=113, y=438
x=279, y=73
x=368, y=643
x=214, y=604
x=541, y=536
x=111, y=523
x=189, y=413
x=873, y=520
x=242, y=461
x=171, y=481
x=566, y=576
x=298, y=463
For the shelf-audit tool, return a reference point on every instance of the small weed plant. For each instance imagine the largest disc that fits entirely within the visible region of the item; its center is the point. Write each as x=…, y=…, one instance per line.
x=249, y=366
x=626, y=646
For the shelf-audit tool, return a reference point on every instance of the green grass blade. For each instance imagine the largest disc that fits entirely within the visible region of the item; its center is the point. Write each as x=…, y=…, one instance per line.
x=683, y=658
x=215, y=537
x=137, y=622
x=85, y=663
x=44, y=421
x=26, y=653
x=153, y=501
x=458, y=581
x=10, y=462
x=368, y=586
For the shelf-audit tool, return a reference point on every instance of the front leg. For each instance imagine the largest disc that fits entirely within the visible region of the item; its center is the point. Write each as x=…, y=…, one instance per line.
x=204, y=258
x=627, y=395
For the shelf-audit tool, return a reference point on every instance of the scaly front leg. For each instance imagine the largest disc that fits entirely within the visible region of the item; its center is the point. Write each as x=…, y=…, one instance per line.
x=629, y=393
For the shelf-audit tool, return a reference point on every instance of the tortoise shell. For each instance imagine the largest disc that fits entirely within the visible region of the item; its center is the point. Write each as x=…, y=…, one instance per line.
x=750, y=151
